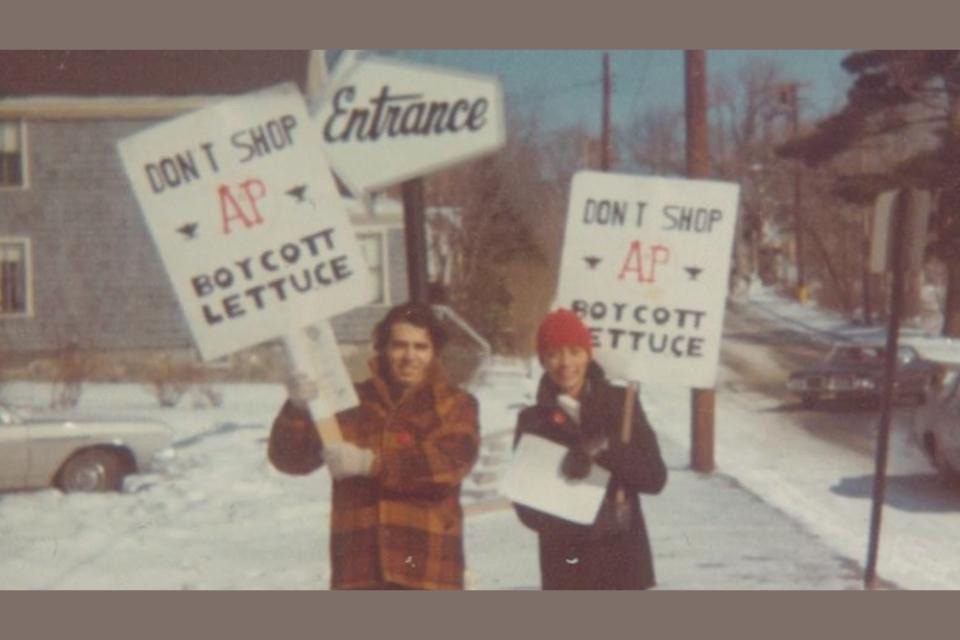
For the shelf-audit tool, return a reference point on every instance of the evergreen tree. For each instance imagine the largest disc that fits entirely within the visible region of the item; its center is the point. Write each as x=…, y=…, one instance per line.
x=903, y=107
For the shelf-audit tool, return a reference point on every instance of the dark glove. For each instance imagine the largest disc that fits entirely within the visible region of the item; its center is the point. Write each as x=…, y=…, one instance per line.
x=576, y=464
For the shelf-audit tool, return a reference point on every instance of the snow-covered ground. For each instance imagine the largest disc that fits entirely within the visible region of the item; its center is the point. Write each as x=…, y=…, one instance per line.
x=220, y=517
x=828, y=488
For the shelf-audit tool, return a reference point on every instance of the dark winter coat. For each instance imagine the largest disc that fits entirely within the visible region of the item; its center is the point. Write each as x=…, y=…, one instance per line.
x=403, y=525
x=611, y=553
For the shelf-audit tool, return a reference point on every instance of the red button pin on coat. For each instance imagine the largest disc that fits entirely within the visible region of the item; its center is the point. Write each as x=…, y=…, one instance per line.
x=404, y=438
x=558, y=417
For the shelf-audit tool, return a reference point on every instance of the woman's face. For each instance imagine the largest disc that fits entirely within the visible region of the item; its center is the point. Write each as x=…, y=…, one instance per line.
x=567, y=367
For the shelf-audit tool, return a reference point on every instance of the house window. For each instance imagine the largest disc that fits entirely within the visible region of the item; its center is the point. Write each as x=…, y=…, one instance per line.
x=14, y=267
x=11, y=153
x=372, y=245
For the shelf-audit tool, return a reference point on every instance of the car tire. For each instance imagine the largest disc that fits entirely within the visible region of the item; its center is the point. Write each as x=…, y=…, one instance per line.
x=91, y=470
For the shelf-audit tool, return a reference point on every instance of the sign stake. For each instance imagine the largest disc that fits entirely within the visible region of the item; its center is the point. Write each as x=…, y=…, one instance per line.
x=298, y=347
x=890, y=370
x=626, y=428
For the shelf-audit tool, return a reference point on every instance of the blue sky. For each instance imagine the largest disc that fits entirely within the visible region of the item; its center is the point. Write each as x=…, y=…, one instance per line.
x=564, y=85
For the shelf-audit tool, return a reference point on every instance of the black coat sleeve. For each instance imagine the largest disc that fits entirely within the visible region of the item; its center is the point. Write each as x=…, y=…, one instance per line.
x=638, y=465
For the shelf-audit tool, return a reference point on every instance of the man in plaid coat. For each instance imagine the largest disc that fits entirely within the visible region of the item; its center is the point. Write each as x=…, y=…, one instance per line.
x=396, y=520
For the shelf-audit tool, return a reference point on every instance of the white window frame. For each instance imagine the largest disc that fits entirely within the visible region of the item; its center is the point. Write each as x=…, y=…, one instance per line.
x=381, y=234
x=24, y=175
x=27, y=311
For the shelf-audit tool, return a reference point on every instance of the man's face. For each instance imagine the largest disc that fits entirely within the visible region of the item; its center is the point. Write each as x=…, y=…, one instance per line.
x=409, y=353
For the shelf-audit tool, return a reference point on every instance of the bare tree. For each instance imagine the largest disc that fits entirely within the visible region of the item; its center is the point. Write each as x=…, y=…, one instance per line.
x=747, y=109
x=748, y=117
x=486, y=225
x=653, y=141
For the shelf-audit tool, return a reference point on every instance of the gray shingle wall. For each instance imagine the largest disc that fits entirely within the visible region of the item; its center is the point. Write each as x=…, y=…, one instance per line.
x=97, y=274
x=357, y=324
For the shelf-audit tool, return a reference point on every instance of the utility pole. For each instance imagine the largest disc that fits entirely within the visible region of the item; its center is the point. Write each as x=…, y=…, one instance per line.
x=866, y=276
x=702, y=401
x=633, y=388
x=605, y=125
x=789, y=98
x=415, y=233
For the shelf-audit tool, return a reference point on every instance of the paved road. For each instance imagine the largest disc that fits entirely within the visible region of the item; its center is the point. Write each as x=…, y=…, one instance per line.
x=920, y=535
x=785, y=349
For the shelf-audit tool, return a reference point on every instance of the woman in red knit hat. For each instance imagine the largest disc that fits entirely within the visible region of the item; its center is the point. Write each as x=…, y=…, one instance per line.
x=578, y=408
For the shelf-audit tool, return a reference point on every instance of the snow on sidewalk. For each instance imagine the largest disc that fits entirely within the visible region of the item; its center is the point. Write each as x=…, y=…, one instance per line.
x=707, y=532
x=222, y=518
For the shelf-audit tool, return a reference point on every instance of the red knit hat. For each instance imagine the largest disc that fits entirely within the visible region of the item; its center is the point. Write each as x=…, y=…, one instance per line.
x=562, y=328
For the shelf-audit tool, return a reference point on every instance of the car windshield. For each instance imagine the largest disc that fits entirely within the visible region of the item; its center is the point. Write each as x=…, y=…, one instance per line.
x=853, y=354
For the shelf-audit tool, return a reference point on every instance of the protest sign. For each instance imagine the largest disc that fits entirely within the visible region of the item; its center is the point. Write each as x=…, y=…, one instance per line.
x=645, y=265
x=314, y=350
x=247, y=219
x=533, y=479
x=384, y=121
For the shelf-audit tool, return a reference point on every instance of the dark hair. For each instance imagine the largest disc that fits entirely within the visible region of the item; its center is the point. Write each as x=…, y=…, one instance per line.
x=415, y=313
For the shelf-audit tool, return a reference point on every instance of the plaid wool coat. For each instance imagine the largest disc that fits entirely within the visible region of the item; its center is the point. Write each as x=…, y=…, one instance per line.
x=402, y=525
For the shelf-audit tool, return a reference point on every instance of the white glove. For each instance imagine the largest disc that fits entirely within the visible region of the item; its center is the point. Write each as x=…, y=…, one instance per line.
x=301, y=389
x=345, y=459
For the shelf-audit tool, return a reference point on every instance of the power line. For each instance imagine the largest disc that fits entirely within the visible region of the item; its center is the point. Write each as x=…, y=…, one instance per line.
x=539, y=95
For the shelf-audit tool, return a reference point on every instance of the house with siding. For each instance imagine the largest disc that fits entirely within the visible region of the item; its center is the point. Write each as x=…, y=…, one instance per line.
x=77, y=265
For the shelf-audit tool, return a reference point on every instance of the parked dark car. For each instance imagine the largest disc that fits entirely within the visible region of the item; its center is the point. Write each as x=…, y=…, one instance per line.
x=855, y=372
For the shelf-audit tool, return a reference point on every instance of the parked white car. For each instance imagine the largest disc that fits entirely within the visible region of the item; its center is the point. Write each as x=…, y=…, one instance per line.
x=937, y=426
x=77, y=453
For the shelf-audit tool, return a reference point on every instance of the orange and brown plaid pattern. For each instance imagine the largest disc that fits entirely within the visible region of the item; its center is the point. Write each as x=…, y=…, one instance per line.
x=403, y=525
